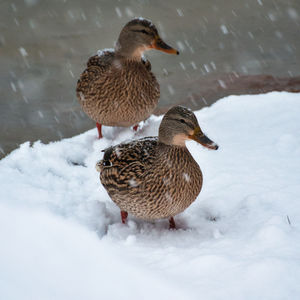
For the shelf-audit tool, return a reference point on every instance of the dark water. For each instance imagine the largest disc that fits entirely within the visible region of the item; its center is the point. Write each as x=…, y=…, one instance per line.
x=44, y=47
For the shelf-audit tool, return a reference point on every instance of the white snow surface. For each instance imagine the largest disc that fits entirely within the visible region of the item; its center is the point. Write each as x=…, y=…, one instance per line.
x=101, y=52
x=61, y=236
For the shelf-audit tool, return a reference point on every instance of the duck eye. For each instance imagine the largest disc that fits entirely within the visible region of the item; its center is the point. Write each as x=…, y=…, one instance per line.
x=144, y=31
x=107, y=163
x=182, y=121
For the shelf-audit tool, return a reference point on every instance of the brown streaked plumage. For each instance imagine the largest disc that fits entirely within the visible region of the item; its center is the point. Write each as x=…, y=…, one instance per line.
x=118, y=88
x=156, y=177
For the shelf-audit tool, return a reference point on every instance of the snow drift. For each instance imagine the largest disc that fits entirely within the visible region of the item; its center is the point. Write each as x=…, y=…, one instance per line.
x=61, y=236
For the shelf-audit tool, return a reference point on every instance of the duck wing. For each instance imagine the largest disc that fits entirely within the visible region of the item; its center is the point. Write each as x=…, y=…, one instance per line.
x=123, y=166
x=97, y=66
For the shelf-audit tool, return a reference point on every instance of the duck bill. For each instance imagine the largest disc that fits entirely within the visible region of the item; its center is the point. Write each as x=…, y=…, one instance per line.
x=159, y=44
x=202, y=139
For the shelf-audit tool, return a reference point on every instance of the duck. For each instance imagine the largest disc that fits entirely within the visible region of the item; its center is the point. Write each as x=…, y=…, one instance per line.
x=156, y=177
x=117, y=88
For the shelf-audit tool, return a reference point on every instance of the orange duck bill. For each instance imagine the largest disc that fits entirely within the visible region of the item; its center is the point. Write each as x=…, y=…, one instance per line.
x=202, y=139
x=159, y=44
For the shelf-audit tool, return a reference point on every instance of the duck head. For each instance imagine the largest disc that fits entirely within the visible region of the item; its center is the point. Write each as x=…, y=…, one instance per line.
x=140, y=35
x=179, y=125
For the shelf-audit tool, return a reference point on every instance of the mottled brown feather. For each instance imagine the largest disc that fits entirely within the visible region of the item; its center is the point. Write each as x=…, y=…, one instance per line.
x=150, y=179
x=115, y=91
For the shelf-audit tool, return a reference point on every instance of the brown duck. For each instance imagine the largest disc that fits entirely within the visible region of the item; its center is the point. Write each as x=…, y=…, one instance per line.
x=118, y=88
x=156, y=177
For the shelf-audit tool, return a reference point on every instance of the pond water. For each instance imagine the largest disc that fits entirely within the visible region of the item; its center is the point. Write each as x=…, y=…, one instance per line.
x=44, y=47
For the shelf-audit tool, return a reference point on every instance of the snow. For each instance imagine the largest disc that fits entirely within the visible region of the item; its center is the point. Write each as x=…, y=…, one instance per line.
x=13, y=87
x=222, y=84
x=193, y=65
x=182, y=65
x=224, y=29
x=129, y=12
x=133, y=183
x=260, y=2
x=23, y=51
x=170, y=89
x=206, y=67
x=179, y=12
x=293, y=14
x=81, y=95
x=143, y=19
x=118, y=11
x=186, y=176
x=180, y=45
x=61, y=236
x=102, y=51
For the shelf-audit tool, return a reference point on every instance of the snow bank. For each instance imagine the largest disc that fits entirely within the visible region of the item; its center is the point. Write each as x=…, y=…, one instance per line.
x=61, y=236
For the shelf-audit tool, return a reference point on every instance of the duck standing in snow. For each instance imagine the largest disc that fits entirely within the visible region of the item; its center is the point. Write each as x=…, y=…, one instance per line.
x=156, y=177
x=118, y=88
